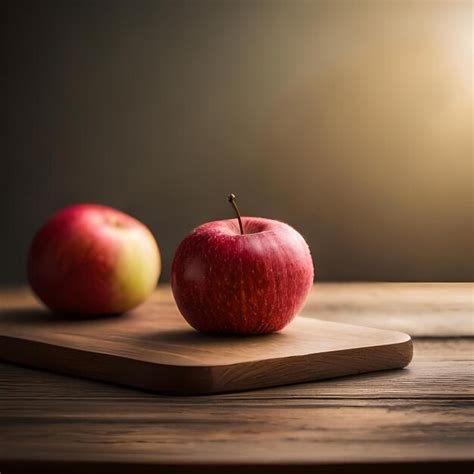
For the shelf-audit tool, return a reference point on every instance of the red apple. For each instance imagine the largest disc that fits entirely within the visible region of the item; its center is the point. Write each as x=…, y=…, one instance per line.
x=253, y=282
x=93, y=259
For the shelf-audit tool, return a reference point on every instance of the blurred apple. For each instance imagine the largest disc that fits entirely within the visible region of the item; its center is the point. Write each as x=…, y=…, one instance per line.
x=93, y=259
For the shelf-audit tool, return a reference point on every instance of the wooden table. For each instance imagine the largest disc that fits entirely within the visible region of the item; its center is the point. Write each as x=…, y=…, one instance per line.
x=417, y=419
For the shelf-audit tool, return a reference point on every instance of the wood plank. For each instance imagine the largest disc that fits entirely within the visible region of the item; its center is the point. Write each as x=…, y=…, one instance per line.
x=153, y=348
x=232, y=431
x=419, y=309
x=442, y=368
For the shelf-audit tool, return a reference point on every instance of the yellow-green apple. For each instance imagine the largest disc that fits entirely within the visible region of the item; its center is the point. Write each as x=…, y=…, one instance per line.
x=93, y=259
x=245, y=276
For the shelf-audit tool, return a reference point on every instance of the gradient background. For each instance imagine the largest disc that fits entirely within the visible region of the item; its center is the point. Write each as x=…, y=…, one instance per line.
x=352, y=121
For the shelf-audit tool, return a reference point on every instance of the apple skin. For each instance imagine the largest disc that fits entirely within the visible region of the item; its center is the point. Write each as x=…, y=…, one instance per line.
x=255, y=283
x=93, y=259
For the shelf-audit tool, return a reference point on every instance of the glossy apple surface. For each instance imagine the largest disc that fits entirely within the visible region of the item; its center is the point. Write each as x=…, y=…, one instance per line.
x=93, y=259
x=254, y=283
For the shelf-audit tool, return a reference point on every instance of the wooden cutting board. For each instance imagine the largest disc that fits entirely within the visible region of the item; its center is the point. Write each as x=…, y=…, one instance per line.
x=153, y=348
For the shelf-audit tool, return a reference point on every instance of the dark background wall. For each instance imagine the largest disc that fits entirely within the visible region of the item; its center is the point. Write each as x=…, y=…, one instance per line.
x=352, y=121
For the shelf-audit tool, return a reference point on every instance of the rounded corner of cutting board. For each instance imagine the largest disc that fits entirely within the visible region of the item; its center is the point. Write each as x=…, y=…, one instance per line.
x=407, y=346
x=403, y=346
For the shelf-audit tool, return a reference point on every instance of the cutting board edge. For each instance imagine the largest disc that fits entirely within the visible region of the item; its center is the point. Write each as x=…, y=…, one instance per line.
x=204, y=380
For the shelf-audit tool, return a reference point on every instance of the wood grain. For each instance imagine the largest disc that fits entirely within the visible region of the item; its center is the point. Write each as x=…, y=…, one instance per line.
x=420, y=309
x=153, y=348
x=260, y=431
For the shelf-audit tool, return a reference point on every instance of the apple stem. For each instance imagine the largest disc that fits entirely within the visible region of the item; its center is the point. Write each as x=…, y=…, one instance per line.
x=231, y=199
